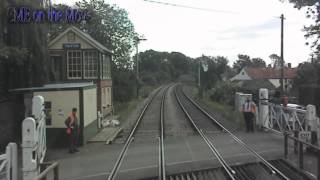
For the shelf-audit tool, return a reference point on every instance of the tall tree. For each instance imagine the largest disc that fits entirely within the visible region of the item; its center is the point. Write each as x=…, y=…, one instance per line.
x=312, y=31
x=276, y=60
x=23, y=49
x=109, y=24
x=245, y=61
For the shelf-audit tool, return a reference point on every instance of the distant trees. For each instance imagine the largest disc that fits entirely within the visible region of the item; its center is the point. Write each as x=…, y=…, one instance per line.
x=246, y=61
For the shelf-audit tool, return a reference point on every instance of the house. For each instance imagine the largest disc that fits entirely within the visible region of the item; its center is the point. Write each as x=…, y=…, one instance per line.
x=76, y=57
x=270, y=77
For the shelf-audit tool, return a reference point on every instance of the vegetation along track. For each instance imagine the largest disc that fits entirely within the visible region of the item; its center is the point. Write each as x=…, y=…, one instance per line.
x=188, y=106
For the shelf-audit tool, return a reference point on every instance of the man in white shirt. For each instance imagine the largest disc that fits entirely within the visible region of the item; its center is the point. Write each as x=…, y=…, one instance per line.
x=248, y=109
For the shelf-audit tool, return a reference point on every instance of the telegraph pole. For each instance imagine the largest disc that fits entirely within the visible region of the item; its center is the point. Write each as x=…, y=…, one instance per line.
x=137, y=62
x=281, y=56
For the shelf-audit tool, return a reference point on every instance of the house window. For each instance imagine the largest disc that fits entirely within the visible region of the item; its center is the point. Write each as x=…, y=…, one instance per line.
x=74, y=64
x=105, y=66
x=47, y=111
x=90, y=62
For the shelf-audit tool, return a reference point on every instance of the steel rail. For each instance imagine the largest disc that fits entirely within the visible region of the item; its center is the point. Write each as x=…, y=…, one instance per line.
x=226, y=167
x=272, y=169
x=130, y=138
x=162, y=168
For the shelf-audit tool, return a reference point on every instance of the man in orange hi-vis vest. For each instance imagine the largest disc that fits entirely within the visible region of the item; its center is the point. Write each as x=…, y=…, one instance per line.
x=72, y=130
x=249, y=109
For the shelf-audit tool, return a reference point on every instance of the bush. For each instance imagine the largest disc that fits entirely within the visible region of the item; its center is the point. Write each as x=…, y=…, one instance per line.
x=224, y=93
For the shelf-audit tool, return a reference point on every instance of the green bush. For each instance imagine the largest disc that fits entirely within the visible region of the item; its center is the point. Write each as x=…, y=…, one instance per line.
x=224, y=93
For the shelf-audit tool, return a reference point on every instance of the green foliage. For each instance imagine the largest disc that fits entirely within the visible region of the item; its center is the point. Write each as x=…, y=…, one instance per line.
x=224, y=92
x=246, y=61
x=160, y=67
x=23, y=49
x=124, y=82
x=217, y=66
x=308, y=74
x=110, y=25
x=313, y=12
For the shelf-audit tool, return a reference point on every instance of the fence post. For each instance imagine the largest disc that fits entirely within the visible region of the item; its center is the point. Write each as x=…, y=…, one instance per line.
x=295, y=143
x=263, y=108
x=29, y=159
x=285, y=145
x=312, y=121
x=318, y=164
x=300, y=155
x=8, y=160
x=56, y=173
x=14, y=161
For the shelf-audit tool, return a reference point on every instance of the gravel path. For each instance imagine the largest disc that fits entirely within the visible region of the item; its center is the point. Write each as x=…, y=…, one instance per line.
x=175, y=122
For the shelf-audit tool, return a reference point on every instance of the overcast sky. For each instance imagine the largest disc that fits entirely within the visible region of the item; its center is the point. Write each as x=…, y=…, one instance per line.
x=238, y=26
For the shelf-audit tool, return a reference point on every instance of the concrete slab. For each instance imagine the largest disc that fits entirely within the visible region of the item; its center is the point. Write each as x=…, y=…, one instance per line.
x=106, y=135
x=182, y=153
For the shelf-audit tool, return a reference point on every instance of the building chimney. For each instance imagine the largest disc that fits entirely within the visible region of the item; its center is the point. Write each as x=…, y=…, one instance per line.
x=289, y=65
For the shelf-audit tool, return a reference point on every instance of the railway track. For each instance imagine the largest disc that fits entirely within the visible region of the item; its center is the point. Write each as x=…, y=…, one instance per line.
x=204, y=125
x=135, y=130
x=185, y=103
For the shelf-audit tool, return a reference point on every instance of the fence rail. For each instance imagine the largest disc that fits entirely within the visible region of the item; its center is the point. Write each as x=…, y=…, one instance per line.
x=9, y=163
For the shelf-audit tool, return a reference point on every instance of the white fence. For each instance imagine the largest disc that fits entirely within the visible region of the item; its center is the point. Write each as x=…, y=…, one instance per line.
x=286, y=119
x=34, y=140
x=9, y=163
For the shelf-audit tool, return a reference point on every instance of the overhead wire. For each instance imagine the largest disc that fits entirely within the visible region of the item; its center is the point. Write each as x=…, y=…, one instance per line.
x=191, y=7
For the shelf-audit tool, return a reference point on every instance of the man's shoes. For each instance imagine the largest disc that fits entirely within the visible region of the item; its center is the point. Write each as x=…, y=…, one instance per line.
x=71, y=151
x=76, y=150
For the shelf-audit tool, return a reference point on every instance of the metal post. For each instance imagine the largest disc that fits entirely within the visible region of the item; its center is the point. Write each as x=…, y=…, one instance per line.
x=295, y=146
x=300, y=155
x=285, y=145
x=282, y=59
x=318, y=164
x=137, y=68
x=56, y=173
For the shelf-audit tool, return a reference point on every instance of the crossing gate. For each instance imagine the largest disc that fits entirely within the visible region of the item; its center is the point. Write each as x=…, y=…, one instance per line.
x=286, y=119
x=34, y=140
x=9, y=163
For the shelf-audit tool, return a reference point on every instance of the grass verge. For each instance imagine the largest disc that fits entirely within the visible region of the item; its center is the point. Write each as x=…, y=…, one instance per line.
x=224, y=110
x=123, y=109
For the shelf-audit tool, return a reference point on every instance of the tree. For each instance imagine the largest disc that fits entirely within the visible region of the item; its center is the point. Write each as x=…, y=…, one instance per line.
x=110, y=25
x=276, y=60
x=308, y=74
x=312, y=31
x=23, y=49
x=217, y=66
x=245, y=61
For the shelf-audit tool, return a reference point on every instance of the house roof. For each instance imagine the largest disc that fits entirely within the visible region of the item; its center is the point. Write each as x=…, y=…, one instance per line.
x=84, y=36
x=271, y=73
x=253, y=84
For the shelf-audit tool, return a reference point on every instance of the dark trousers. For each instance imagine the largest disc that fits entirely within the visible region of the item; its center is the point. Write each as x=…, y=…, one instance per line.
x=73, y=140
x=248, y=117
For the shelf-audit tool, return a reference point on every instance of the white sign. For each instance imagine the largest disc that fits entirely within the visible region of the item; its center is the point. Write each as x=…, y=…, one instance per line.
x=305, y=136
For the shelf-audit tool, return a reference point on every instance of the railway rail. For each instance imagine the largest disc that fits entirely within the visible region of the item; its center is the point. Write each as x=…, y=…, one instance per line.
x=130, y=138
x=202, y=123
x=179, y=93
